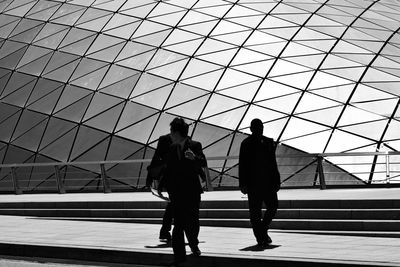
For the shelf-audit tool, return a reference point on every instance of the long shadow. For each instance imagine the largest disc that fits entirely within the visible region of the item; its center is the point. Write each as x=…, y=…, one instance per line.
x=259, y=248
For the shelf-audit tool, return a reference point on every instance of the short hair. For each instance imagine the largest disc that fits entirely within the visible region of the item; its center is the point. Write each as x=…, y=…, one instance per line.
x=256, y=124
x=179, y=125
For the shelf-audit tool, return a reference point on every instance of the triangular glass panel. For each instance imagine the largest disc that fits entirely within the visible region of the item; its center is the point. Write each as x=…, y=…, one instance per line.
x=251, y=22
x=7, y=111
x=198, y=67
x=353, y=74
x=380, y=107
x=113, y=6
x=75, y=111
x=124, y=31
x=29, y=34
x=229, y=119
x=298, y=127
x=141, y=131
x=137, y=62
x=42, y=88
x=36, y=66
x=183, y=93
x=190, y=109
x=220, y=148
x=222, y=58
x=108, y=54
x=261, y=69
x=85, y=140
x=47, y=103
x=218, y=104
x=79, y=47
x=353, y=115
x=121, y=148
x=11, y=60
x=51, y=38
x=155, y=98
x=147, y=83
x=43, y=10
x=154, y=39
x=99, y=103
x=372, y=130
x=206, y=81
x=17, y=8
x=60, y=148
x=186, y=48
x=87, y=66
x=96, y=153
x=244, y=92
x=10, y=47
x=138, y=11
x=327, y=116
x=17, y=155
x=107, y=120
x=19, y=96
x=91, y=80
x=6, y=29
x=235, y=38
x=8, y=126
x=17, y=81
x=68, y=14
x=201, y=28
x=284, y=104
x=134, y=113
x=233, y=78
x=122, y=88
x=342, y=142
x=322, y=79
x=55, y=129
x=30, y=140
x=314, y=143
x=28, y=120
x=389, y=87
x=132, y=49
x=255, y=111
x=92, y=14
x=393, y=130
x=336, y=93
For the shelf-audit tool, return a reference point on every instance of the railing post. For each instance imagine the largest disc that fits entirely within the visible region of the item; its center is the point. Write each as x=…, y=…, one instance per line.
x=321, y=174
x=59, y=182
x=14, y=178
x=106, y=184
x=387, y=169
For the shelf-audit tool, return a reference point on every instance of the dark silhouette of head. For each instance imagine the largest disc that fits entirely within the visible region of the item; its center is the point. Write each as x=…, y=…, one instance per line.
x=257, y=127
x=179, y=126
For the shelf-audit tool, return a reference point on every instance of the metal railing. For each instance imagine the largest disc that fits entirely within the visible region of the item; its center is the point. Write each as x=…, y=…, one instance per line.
x=297, y=170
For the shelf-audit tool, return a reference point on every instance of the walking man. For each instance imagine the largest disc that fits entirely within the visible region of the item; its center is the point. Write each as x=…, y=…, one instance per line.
x=259, y=178
x=184, y=161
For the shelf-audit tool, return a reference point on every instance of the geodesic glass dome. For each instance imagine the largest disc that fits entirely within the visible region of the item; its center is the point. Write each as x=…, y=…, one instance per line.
x=102, y=79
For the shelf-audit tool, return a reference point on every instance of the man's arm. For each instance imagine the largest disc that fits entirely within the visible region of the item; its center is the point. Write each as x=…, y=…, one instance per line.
x=243, y=157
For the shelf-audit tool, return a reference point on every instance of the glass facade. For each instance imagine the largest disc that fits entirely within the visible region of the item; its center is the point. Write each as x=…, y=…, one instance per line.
x=101, y=79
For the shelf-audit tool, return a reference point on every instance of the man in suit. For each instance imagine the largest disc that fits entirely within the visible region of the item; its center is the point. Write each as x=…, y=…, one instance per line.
x=159, y=159
x=260, y=179
x=181, y=179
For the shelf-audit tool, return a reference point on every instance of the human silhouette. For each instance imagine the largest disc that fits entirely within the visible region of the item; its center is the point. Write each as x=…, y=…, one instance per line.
x=184, y=163
x=159, y=159
x=259, y=178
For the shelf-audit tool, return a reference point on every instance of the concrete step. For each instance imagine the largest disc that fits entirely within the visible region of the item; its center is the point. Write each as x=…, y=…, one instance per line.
x=216, y=204
x=282, y=224
x=370, y=214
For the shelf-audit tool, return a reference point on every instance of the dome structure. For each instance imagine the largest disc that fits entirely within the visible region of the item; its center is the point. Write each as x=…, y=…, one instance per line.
x=88, y=80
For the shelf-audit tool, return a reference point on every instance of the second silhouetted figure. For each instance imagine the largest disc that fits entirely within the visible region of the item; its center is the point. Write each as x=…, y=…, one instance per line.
x=260, y=179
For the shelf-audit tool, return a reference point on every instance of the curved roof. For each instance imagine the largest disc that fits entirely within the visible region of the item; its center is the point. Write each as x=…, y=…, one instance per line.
x=99, y=80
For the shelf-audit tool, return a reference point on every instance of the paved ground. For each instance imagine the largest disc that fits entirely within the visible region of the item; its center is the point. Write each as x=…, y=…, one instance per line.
x=226, y=242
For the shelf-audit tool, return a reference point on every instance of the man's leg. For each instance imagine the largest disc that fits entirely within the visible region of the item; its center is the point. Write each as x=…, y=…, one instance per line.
x=178, y=237
x=255, y=204
x=271, y=203
x=192, y=224
x=166, y=223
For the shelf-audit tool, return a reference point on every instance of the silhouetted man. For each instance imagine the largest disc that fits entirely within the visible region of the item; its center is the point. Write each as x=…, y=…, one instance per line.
x=260, y=179
x=160, y=159
x=184, y=160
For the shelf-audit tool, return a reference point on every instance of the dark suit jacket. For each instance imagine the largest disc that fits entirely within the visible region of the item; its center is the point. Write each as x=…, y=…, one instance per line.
x=160, y=155
x=258, y=170
x=182, y=175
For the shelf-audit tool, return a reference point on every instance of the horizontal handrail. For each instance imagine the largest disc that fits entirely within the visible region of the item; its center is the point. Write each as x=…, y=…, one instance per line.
x=309, y=155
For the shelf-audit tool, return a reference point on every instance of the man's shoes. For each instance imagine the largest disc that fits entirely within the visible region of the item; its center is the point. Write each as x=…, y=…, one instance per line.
x=196, y=251
x=165, y=236
x=265, y=243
